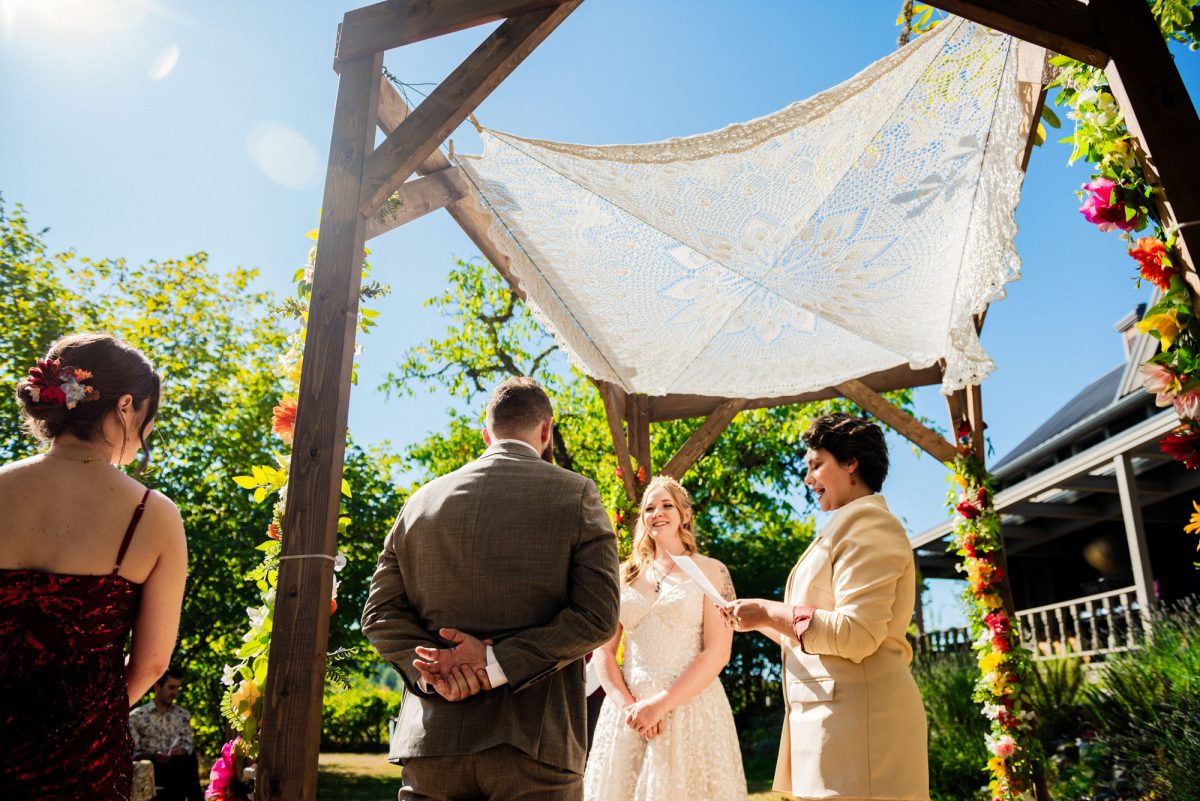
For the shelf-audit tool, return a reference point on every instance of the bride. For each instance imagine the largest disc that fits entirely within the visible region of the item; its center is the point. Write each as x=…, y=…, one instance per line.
x=666, y=730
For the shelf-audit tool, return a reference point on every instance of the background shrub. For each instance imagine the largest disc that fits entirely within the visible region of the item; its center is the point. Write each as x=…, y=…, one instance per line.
x=356, y=718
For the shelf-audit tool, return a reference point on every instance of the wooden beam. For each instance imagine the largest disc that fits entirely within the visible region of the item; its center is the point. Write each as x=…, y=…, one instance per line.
x=291, y=729
x=418, y=197
x=1056, y=511
x=1031, y=85
x=614, y=403
x=1063, y=26
x=974, y=398
x=637, y=421
x=449, y=104
x=703, y=438
x=899, y=420
x=470, y=212
x=681, y=407
x=395, y=23
x=1160, y=115
x=1135, y=535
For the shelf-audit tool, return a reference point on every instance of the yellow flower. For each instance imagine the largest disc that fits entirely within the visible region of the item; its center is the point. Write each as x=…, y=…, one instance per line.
x=1194, y=526
x=1166, y=325
x=990, y=662
x=248, y=694
x=997, y=766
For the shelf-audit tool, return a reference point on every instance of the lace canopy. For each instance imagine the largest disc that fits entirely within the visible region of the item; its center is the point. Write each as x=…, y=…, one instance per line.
x=849, y=233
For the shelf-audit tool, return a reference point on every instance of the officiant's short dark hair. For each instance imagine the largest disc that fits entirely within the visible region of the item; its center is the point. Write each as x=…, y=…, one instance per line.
x=848, y=437
x=517, y=405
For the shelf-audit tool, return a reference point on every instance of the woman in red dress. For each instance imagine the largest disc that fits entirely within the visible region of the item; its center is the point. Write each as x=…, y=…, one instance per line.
x=87, y=555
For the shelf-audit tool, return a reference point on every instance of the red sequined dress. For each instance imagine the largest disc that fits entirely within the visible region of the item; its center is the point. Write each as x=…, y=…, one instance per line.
x=64, y=706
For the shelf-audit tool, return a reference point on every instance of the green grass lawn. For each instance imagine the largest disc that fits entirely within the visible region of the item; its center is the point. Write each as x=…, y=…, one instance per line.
x=369, y=777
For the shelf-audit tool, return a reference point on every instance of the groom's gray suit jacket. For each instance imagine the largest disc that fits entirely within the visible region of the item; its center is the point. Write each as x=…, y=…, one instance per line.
x=514, y=549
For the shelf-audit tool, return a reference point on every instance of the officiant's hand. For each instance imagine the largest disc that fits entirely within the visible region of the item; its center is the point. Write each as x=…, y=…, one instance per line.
x=469, y=652
x=748, y=614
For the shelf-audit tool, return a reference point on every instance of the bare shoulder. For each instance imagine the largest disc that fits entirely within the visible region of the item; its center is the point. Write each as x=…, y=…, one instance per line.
x=163, y=522
x=718, y=574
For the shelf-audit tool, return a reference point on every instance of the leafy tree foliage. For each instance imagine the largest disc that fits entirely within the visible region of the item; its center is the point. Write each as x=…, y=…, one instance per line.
x=215, y=339
x=744, y=489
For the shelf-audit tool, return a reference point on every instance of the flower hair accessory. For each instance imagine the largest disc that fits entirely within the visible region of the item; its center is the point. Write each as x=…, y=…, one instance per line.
x=54, y=385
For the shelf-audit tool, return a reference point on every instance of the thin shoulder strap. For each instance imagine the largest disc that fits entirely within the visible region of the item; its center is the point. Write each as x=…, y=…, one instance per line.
x=137, y=515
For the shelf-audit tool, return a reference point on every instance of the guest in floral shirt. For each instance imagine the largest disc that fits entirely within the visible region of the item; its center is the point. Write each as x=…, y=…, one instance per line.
x=162, y=733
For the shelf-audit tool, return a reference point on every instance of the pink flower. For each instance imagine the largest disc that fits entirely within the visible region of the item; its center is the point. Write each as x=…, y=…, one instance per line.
x=1004, y=746
x=1161, y=381
x=224, y=771
x=1187, y=405
x=1101, y=210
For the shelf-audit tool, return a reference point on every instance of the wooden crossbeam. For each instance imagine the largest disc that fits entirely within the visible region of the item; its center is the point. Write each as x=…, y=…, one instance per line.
x=1064, y=26
x=449, y=104
x=469, y=212
x=395, y=23
x=291, y=731
x=614, y=410
x=903, y=422
x=418, y=197
x=703, y=438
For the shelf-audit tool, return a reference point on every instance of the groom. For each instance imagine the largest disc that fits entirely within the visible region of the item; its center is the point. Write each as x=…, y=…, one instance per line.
x=521, y=554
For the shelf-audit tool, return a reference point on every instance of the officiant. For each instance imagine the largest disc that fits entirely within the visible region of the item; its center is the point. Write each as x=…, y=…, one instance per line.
x=855, y=726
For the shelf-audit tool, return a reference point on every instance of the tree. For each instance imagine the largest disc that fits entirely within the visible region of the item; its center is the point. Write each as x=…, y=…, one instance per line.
x=745, y=490
x=215, y=340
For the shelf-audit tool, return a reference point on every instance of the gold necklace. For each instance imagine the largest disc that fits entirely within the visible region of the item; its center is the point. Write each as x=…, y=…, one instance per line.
x=85, y=460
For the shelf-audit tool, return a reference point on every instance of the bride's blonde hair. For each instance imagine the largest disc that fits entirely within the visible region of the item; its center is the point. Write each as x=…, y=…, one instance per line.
x=643, y=543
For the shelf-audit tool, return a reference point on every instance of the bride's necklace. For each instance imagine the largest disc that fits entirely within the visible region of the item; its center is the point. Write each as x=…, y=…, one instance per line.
x=658, y=580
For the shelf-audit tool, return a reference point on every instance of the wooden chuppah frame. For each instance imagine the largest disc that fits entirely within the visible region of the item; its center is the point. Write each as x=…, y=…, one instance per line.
x=367, y=192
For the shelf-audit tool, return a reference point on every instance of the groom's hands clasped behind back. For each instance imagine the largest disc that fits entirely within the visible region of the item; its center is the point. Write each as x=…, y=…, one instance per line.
x=455, y=673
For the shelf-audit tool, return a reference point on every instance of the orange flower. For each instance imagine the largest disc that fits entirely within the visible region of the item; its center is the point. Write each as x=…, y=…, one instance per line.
x=332, y=605
x=283, y=419
x=1155, y=261
x=273, y=531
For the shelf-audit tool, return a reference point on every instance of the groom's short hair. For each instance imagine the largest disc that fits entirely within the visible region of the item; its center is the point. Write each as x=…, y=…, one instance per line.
x=517, y=405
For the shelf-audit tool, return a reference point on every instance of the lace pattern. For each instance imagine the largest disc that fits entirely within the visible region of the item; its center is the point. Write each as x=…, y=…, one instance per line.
x=697, y=755
x=851, y=232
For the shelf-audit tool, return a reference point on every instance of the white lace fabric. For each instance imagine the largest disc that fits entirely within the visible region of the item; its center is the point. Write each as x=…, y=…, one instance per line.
x=697, y=755
x=852, y=232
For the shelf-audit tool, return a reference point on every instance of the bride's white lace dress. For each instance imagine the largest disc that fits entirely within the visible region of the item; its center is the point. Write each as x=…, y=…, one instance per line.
x=697, y=755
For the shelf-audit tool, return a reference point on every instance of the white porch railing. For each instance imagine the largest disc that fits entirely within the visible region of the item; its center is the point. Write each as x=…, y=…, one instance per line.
x=1105, y=623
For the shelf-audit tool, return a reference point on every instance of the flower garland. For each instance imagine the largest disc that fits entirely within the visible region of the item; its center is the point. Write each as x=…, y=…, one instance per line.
x=232, y=776
x=1119, y=198
x=1004, y=664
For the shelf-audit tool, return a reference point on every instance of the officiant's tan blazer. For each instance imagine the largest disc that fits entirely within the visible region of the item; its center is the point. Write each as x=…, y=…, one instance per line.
x=511, y=548
x=855, y=727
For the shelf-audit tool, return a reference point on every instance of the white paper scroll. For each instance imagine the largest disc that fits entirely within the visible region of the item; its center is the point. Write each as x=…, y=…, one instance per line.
x=693, y=571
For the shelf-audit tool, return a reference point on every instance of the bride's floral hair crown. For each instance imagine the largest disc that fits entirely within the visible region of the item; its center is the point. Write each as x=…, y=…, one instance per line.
x=52, y=384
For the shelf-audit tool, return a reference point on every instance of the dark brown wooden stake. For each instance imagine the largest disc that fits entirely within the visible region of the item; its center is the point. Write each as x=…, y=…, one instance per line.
x=291, y=729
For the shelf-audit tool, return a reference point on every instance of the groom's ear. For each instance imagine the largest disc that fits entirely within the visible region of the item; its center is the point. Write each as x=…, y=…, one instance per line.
x=487, y=437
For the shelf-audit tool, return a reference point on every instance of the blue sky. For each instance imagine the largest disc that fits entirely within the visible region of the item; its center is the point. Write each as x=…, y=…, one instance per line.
x=154, y=128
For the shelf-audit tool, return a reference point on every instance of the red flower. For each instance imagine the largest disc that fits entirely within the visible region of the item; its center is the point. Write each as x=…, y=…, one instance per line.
x=53, y=396
x=619, y=473
x=332, y=605
x=1001, y=644
x=641, y=474
x=963, y=430
x=273, y=531
x=283, y=419
x=969, y=509
x=1182, y=444
x=46, y=373
x=999, y=623
x=1154, y=261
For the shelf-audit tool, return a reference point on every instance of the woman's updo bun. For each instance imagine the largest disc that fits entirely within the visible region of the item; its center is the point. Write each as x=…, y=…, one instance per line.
x=116, y=368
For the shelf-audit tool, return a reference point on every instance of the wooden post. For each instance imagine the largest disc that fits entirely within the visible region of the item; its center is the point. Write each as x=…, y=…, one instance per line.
x=291, y=729
x=642, y=451
x=1135, y=535
x=1159, y=115
x=615, y=403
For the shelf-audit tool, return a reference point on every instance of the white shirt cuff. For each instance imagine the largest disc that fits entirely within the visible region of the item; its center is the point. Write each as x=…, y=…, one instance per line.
x=495, y=673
